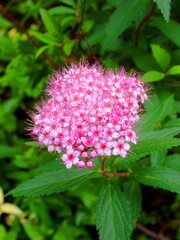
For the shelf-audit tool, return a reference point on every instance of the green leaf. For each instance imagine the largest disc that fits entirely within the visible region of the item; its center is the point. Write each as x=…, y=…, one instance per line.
x=52, y=182
x=171, y=29
x=152, y=76
x=32, y=144
x=121, y=18
x=153, y=141
x=87, y=25
x=161, y=55
x=164, y=6
x=157, y=158
x=166, y=108
x=45, y=37
x=49, y=22
x=161, y=177
x=67, y=47
x=31, y=231
x=132, y=192
x=175, y=70
x=8, y=151
x=61, y=10
x=113, y=214
x=69, y=2
x=41, y=50
x=173, y=162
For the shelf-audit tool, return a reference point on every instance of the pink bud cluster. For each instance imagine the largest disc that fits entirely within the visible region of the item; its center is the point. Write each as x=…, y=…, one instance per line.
x=91, y=112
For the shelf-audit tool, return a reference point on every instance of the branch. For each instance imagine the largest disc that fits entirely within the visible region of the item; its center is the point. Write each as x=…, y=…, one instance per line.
x=22, y=29
x=147, y=17
x=150, y=233
x=109, y=175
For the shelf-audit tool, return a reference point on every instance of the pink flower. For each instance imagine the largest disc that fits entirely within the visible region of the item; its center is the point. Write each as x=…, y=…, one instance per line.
x=90, y=112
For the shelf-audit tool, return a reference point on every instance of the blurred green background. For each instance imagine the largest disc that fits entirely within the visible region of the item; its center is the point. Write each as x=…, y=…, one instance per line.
x=37, y=36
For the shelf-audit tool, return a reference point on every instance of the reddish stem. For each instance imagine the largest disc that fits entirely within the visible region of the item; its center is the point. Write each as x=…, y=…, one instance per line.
x=145, y=19
x=109, y=175
x=22, y=29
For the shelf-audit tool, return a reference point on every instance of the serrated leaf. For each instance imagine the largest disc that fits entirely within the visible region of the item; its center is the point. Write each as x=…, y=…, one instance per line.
x=132, y=192
x=121, y=18
x=113, y=214
x=171, y=29
x=52, y=182
x=41, y=50
x=49, y=22
x=161, y=56
x=61, y=10
x=152, y=76
x=153, y=141
x=161, y=177
x=164, y=6
x=175, y=70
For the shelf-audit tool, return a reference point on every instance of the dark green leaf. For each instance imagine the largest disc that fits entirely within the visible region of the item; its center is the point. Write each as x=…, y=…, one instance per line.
x=170, y=29
x=122, y=18
x=157, y=158
x=52, y=182
x=113, y=214
x=161, y=177
x=132, y=192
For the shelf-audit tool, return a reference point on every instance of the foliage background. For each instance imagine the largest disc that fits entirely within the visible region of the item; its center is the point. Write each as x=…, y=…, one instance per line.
x=37, y=37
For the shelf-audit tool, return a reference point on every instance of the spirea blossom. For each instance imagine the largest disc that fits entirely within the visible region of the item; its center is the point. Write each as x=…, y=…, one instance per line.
x=90, y=112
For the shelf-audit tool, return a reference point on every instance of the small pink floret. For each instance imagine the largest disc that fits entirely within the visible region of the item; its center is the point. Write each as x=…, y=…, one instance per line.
x=90, y=112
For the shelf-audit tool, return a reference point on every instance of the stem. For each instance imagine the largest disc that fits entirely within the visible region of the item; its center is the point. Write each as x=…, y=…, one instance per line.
x=22, y=29
x=145, y=19
x=150, y=233
x=109, y=175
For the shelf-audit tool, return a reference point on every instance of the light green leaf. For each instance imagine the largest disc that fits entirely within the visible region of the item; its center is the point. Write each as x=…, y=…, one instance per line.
x=121, y=18
x=49, y=22
x=113, y=214
x=32, y=144
x=161, y=177
x=87, y=25
x=31, y=231
x=152, y=76
x=67, y=47
x=172, y=123
x=175, y=70
x=69, y=2
x=164, y=6
x=52, y=182
x=161, y=55
x=41, y=50
x=132, y=192
x=61, y=10
x=171, y=29
x=45, y=37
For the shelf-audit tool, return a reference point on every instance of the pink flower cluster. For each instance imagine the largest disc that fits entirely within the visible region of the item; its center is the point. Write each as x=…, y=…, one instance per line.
x=91, y=112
